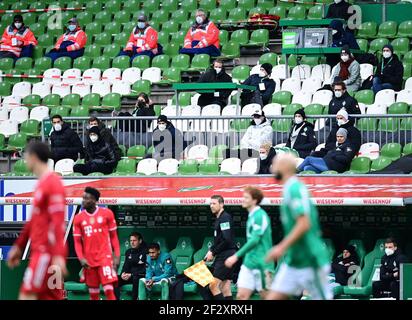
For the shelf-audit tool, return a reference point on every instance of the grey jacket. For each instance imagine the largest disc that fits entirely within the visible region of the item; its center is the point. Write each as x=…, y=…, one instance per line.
x=354, y=81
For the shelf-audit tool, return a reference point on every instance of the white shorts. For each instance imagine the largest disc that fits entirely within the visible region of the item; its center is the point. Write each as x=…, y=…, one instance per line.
x=293, y=281
x=253, y=279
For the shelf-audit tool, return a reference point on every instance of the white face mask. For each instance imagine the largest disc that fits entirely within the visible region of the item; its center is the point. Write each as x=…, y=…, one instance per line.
x=344, y=57
x=218, y=70
x=386, y=54
x=262, y=74
x=72, y=27
x=258, y=121
x=141, y=25
x=341, y=122
x=334, y=32
x=389, y=252
x=338, y=1
x=18, y=25
x=162, y=127
x=338, y=94
x=298, y=120
x=199, y=20
x=57, y=127
x=94, y=138
x=263, y=156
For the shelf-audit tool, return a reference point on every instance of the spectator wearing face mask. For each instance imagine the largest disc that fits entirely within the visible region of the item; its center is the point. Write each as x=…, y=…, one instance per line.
x=71, y=43
x=105, y=134
x=213, y=75
x=302, y=136
x=266, y=155
x=202, y=37
x=100, y=156
x=343, y=267
x=144, y=108
x=348, y=70
x=142, y=41
x=389, y=72
x=338, y=159
x=18, y=40
x=167, y=140
x=64, y=142
x=265, y=86
x=342, y=99
x=389, y=271
x=338, y=10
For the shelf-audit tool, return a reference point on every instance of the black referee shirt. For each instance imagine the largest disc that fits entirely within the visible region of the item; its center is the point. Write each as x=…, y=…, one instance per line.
x=224, y=236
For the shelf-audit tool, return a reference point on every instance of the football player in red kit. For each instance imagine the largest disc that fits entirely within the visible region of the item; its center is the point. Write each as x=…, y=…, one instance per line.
x=43, y=279
x=95, y=240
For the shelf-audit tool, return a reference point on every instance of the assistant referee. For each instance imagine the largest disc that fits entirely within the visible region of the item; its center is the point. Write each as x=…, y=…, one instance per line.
x=223, y=247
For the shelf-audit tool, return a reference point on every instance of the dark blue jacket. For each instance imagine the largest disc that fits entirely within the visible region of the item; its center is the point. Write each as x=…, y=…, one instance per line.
x=270, y=86
x=340, y=157
x=342, y=37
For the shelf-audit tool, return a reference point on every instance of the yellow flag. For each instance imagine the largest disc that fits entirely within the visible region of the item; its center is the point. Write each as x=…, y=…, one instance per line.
x=199, y=273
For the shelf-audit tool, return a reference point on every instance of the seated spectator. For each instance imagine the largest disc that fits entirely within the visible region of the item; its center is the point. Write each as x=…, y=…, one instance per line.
x=266, y=155
x=106, y=135
x=354, y=135
x=142, y=41
x=342, y=100
x=401, y=166
x=340, y=38
x=389, y=72
x=160, y=272
x=100, y=156
x=71, y=43
x=343, y=265
x=202, y=37
x=258, y=133
x=337, y=159
x=134, y=267
x=144, y=108
x=338, y=10
x=213, y=75
x=388, y=283
x=167, y=140
x=302, y=136
x=64, y=142
x=265, y=86
x=348, y=70
x=18, y=40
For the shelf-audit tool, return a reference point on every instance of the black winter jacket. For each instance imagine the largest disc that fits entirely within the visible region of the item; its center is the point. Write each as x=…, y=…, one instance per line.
x=270, y=85
x=107, y=136
x=164, y=147
x=390, y=265
x=265, y=165
x=339, y=159
x=346, y=101
x=338, y=10
x=135, y=260
x=66, y=144
x=354, y=137
x=210, y=76
x=305, y=141
x=391, y=71
x=100, y=152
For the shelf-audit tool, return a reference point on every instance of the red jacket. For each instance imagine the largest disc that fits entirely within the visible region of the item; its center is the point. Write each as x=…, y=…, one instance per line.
x=143, y=41
x=207, y=34
x=24, y=35
x=78, y=36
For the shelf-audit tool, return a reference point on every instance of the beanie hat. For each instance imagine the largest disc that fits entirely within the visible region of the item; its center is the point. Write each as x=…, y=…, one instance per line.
x=345, y=49
x=301, y=112
x=95, y=130
x=342, y=132
x=162, y=118
x=342, y=112
x=388, y=46
x=268, y=68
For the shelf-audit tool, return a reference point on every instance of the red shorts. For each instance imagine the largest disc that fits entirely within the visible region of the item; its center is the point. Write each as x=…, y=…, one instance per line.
x=40, y=278
x=101, y=275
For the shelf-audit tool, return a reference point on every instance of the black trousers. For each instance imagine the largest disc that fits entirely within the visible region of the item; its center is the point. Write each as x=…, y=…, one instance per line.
x=206, y=99
x=90, y=167
x=134, y=280
x=242, y=154
x=378, y=287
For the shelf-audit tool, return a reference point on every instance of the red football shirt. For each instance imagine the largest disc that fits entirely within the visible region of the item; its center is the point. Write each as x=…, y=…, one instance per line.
x=46, y=227
x=94, y=230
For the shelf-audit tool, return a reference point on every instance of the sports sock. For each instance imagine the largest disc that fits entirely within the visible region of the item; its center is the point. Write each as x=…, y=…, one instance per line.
x=109, y=292
x=94, y=293
x=219, y=297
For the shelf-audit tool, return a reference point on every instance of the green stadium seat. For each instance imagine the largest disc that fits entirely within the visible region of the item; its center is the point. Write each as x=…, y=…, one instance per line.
x=33, y=72
x=314, y=109
x=237, y=14
x=141, y=86
x=31, y=100
x=181, y=61
x=121, y=62
x=367, y=30
x=398, y=108
x=405, y=29
x=38, y=29
x=200, y=62
x=365, y=124
x=189, y=5
x=407, y=149
x=125, y=166
x=24, y=64
x=291, y=108
x=141, y=62
x=230, y=50
x=31, y=128
x=257, y=10
x=207, y=4
x=315, y=12
x=228, y=4
x=137, y=152
x=281, y=125
x=279, y=11
x=103, y=38
x=170, y=26
x=161, y=61
x=269, y=57
x=240, y=73
x=170, y=76
x=201, y=253
x=265, y=4
x=223, y=37
x=329, y=172
x=42, y=64
x=309, y=60
x=113, y=27
x=20, y=168
x=111, y=50
x=51, y=100
x=217, y=15
x=401, y=45
x=91, y=51
x=406, y=124
x=83, y=63
x=365, y=96
x=240, y=36
x=94, y=28
x=392, y=151
x=160, y=16
x=217, y=152
x=188, y=167
x=121, y=38
x=171, y=49
x=110, y=102
x=60, y=110
x=103, y=17
x=292, y=61
x=170, y=5
x=259, y=37
x=6, y=63
x=17, y=142
x=282, y=97
x=5, y=89
x=407, y=70
x=363, y=44
x=122, y=150
x=71, y=100
x=360, y=165
x=121, y=17
x=94, y=7
x=101, y=63
x=380, y=163
x=80, y=111
x=376, y=45
x=182, y=255
x=387, y=29
x=246, y=4
x=91, y=100
x=162, y=243
x=209, y=166
x=45, y=40
x=63, y=63
x=297, y=12
x=163, y=38
x=84, y=18
x=180, y=16
x=388, y=124
x=359, y=249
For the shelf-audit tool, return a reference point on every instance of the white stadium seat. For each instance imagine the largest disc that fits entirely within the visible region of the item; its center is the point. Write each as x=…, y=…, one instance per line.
x=11, y=102
x=250, y=166
x=319, y=124
x=190, y=111
x=168, y=166
x=321, y=71
x=71, y=76
x=131, y=75
x=408, y=83
x=322, y=97
x=291, y=85
x=272, y=109
x=329, y=80
x=250, y=109
x=42, y=89
x=147, y=166
x=377, y=109
x=320, y=146
x=19, y=114
x=112, y=75
x=121, y=87
x=64, y=166
x=369, y=150
x=81, y=89
x=302, y=97
x=211, y=110
x=279, y=72
x=311, y=84
x=194, y=99
x=52, y=76
x=61, y=89
x=229, y=110
x=39, y=113
x=255, y=69
x=231, y=165
x=169, y=111
x=386, y=96
x=198, y=152
x=301, y=71
x=101, y=87
x=152, y=74
x=9, y=127
x=366, y=70
x=363, y=107
x=4, y=113
x=50, y=164
x=91, y=76
x=21, y=89
x=404, y=96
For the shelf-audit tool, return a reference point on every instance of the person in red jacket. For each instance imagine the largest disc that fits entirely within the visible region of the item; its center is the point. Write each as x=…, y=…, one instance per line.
x=70, y=44
x=142, y=41
x=18, y=40
x=202, y=37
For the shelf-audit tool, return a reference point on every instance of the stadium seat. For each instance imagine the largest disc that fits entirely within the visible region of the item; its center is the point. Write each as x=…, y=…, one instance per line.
x=126, y=166
x=200, y=62
x=360, y=165
x=64, y=166
x=301, y=71
x=363, y=44
x=365, y=96
x=201, y=253
x=279, y=72
x=280, y=11
x=19, y=114
x=250, y=166
x=30, y=128
x=231, y=166
x=52, y=76
x=17, y=141
x=387, y=29
x=269, y=57
x=168, y=166
x=401, y=45
x=259, y=37
x=391, y=151
x=20, y=168
x=302, y=97
x=297, y=12
x=230, y=50
x=311, y=85
x=380, y=163
x=63, y=63
x=367, y=30
x=217, y=152
x=291, y=85
x=147, y=166
x=181, y=62
x=272, y=109
x=240, y=73
x=188, y=167
x=386, y=96
x=182, y=255
x=31, y=100
x=240, y=36
x=152, y=74
x=376, y=45
x=404, y=29
x=21, y=89
x=198, y=152
x=209, y=166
